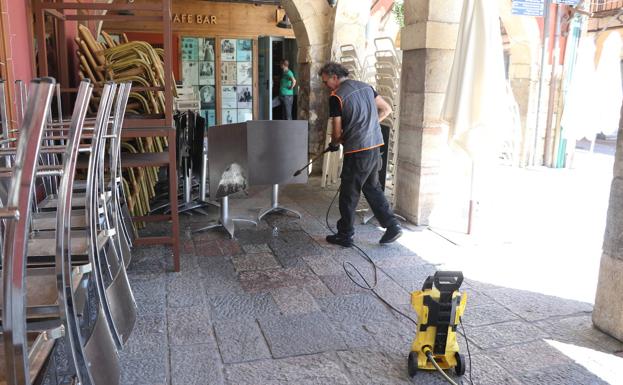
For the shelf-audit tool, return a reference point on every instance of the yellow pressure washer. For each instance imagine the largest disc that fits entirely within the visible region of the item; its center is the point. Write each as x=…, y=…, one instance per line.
x=439, y=306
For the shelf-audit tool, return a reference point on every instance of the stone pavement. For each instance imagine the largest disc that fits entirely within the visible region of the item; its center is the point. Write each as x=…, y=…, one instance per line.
x=274, y=306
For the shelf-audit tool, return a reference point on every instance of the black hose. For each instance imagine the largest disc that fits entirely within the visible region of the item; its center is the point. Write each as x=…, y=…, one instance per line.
x=367, y=286
x=348, y=265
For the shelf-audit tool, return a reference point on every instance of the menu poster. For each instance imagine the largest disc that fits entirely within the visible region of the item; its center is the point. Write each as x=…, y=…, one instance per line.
x=190, y=73
x=245, y=96
x=207, y=95
x=244, y=73
x=228, y=97
x=206, y=49
x=206, y=73
x=244, y=50
x=209, y=116
x=230, y=116
x=189, y=48
x=228, y=50
x=244, y=115
x=228, y=73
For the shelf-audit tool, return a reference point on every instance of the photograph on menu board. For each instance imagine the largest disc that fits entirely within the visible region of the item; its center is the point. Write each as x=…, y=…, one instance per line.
x=206, y=73
x=244, y=73
x=206, y=49
x=245, y=97
x=230, y=116
x=190, y=48
x=228, y=73
x=244, y=115
x=228, y=97
x=207, y=95
x=244, y=50
x=228, y=50
x=190, y=73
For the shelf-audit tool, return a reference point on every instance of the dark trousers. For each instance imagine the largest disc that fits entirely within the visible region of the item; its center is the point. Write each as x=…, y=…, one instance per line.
x=286, y=102
x=360, y=172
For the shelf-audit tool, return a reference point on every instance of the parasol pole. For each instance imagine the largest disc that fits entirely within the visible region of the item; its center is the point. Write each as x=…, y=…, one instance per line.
x=545, y=47
x=472, y=208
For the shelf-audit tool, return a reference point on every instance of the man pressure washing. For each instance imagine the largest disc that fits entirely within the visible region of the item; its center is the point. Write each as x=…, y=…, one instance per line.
x=356, y=111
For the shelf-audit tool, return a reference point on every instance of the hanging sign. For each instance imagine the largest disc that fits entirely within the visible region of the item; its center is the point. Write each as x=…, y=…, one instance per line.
x=528, y=7
x=566, y=2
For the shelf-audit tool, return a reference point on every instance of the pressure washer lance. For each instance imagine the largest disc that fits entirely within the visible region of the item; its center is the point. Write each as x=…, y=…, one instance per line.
x=299, y=171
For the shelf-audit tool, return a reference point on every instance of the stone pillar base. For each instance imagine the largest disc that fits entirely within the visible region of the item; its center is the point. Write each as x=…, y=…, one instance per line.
x=608, y=311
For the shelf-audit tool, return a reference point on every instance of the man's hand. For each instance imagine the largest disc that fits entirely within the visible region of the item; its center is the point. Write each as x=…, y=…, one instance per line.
x=383, y=107
x=333, y=147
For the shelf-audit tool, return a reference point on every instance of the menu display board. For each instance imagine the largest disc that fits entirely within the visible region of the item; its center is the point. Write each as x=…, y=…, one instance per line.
x=236, y=80
x=199, y=71
x=233, y=92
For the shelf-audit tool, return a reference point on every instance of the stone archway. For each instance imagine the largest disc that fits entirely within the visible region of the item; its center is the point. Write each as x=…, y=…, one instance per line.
x=319, y=31
x=312, y=22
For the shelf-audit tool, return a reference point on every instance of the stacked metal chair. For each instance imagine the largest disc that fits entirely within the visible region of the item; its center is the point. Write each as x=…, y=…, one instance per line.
x=64, y=280
x=362, y=70
x=382, y=71
x=388, y=66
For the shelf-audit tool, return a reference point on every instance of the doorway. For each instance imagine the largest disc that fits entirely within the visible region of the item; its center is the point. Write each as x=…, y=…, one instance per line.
x=271, y=51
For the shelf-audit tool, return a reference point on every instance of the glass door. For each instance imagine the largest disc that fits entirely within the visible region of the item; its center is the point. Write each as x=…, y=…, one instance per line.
x=265, y=77
x=271, y=51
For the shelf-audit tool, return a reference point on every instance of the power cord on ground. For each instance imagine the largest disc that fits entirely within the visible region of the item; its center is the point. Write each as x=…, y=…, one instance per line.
x=372, y=288
x=366, y=285
x=469, y=354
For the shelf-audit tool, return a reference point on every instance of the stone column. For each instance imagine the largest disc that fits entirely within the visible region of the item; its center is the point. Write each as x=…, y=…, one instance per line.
x=608, y=311
x=428, y=41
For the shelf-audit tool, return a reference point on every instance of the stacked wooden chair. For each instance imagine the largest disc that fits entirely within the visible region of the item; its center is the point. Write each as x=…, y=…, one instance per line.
x=64, y=256
x=142, y=65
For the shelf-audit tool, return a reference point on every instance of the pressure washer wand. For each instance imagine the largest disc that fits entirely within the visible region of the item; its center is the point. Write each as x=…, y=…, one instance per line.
x=299, y=171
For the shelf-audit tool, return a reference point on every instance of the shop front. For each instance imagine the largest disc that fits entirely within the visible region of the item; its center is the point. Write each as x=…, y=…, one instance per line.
x=227, y=53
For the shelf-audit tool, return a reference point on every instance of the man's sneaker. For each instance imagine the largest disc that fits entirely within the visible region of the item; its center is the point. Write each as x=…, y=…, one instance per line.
x=391, y=234
x=340, y=239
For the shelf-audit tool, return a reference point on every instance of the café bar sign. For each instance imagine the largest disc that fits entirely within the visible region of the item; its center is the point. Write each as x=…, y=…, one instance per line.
x=190, y=18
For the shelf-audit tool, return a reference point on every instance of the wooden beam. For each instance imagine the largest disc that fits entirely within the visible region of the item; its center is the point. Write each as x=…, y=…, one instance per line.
x=55, y=13
x=122, y=18
x=104, y=6
x=5, y=54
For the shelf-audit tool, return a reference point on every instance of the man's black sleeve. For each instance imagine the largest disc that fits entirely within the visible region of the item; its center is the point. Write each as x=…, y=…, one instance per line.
x=335, y=107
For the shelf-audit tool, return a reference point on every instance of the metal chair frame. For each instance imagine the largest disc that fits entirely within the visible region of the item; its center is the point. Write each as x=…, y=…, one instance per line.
x=16, y=232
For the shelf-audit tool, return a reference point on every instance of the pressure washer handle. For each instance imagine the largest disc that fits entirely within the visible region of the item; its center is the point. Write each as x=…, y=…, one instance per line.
x=299, y=171
x=448, y=281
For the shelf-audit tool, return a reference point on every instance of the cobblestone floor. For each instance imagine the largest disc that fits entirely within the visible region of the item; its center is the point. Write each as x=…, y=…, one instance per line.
x=274, y=306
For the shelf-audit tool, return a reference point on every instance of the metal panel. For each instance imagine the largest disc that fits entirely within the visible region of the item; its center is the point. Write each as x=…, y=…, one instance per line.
x=277, y=148
x=101, y=353
x=227, y=159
